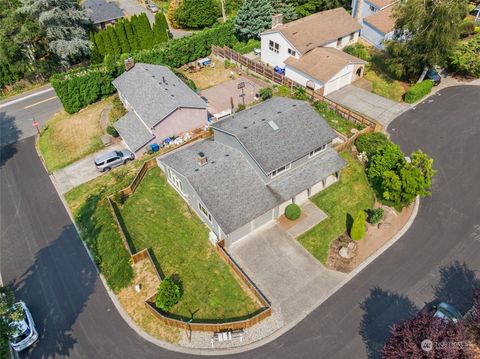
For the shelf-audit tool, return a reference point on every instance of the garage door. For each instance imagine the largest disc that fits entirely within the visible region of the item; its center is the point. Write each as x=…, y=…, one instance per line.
x=262, y=220
x=281, y=208
x=338, y=83
x=301, y=198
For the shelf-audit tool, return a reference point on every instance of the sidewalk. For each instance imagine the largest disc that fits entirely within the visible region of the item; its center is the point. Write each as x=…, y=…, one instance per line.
x=79, y=172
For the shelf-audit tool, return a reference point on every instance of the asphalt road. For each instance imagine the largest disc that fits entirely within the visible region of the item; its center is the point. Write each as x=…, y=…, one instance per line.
x=43, y=258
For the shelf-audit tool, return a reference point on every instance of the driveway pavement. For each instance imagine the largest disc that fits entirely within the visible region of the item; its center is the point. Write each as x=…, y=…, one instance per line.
x=285, y=272
x=367, y=103
x=80, y=172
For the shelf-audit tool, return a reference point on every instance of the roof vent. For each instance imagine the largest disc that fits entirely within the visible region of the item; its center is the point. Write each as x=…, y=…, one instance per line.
x=273, y=125
x=201, y=159
x=226, y=154
x=263, y=119
x=245, y=127
x=279, y=112
x=163, y=78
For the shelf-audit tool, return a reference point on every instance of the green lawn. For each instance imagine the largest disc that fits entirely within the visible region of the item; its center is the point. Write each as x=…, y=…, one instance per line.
x=156, y=217
x=383, y=85
x=339, y=201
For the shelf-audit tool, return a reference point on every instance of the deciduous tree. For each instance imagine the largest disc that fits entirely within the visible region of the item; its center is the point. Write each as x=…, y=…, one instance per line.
x=8, y=313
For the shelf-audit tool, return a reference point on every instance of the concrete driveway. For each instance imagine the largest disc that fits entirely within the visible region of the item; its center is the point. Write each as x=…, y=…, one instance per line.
x=80, y=172
x=293, y=280
x=367, y=103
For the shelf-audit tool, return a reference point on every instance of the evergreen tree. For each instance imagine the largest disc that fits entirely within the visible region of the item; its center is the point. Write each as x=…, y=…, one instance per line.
x=96, y=56
x=132, y=39
x=160, y=28
x=285, y=8
x=116, y=48
x=100, y=43
x=66, y=26
x=196, y=14
x=143, y=31
x=253, y=17
x=107, y=42
x=122, y=37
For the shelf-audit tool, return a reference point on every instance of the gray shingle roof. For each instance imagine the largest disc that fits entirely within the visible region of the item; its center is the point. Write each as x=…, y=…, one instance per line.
x=298, y=179
x=300, y=130
x=154, y=92
x=231, y=189
x=101, y=11
x=133, y=131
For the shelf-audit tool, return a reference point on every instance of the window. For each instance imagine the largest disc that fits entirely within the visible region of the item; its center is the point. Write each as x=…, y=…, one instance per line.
x=292, y=52
x=339, y=41
x=281, y=170
x=273, y=46
x=204, y=211
x=175, y=180
x=352, y=36
x=317, y=151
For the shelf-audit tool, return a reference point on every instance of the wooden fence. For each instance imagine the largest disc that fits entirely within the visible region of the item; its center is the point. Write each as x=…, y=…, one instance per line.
x=352, y=139
x=268, y=72
x=119, y=225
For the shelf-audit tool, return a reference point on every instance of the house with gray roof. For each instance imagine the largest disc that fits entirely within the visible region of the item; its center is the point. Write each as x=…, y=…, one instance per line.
x=259, y=161
x=103, y=13
x=159, y=105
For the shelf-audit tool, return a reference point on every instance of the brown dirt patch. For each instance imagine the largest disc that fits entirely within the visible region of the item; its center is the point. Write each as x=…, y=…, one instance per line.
x=210, y=75
x=133, y=303
x=286, y=223
x=376, y=237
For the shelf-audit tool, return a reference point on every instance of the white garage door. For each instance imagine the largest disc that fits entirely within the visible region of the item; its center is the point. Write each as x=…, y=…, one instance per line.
x=301, y=198
x=281, y=208
x=262, y=220
x=338, y=83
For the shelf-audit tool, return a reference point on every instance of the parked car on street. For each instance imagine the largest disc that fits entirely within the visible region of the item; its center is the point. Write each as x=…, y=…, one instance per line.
x=105, y=162
x=25, y=332
x=152, y=7
x=433, y=75
x=446, y=312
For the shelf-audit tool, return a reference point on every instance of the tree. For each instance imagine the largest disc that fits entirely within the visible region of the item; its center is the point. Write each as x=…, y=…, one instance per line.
x=107, y=42
x=371, y=142
x=392, y=188
x=427, y=336
x=143, y=31
x=253, y=17
x=388, y=158
x=133, y=40
x=65, y=24
x=160, y=28
x=308, y=7
x=197, y=14
x=285, y=8
x=8, y=313
x=122, y=37
x=473, y=320
x=168, y=294
x=112, y=36
x=96, y=55
x=429, y=31
x=357, y=232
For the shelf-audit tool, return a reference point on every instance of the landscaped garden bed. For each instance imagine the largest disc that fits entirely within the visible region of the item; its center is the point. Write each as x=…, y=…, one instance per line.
x=157, y=218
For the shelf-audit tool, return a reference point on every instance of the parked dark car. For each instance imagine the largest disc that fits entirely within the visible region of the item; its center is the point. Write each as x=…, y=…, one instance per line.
x=447, y=312
x=433, y=75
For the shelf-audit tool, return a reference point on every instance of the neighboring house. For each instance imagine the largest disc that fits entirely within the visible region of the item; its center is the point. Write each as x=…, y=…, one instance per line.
x=103, y=13
x=159, y=105
x=378, y=25
x=259, y=161
x=315, y=41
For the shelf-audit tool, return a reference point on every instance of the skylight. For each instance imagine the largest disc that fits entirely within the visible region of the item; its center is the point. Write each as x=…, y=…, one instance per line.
x=273, y=125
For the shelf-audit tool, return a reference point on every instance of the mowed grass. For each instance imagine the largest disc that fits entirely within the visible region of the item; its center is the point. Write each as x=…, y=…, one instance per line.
x=339, y=201
x=68, y=138
x=384, y=86
x=156, y=217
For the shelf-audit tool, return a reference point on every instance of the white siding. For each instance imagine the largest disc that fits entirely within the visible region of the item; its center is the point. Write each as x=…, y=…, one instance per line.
x=340, y=80
x=301, y=77
x=271, y=58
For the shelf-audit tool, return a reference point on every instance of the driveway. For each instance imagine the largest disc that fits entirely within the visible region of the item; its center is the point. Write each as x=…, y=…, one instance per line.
x=367, y=103
x=80, y=172
x=285, y=272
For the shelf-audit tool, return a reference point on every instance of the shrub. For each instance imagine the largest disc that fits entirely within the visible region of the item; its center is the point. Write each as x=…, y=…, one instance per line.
x=112, y=131
x=358, y=227
x=466, y=58
x=241, y=107
x=293, y=211
x=371, y=142
x=266, y=93
x=195, y=14
x=418, y=91
x=246, y=47
x=358, y=50
x=375, y=215
x=300, y=94
x=168, y=294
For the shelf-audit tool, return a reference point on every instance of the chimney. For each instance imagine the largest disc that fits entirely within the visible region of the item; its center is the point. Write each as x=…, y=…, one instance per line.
x=201, y=159
x=277, y=19
x=129, y=63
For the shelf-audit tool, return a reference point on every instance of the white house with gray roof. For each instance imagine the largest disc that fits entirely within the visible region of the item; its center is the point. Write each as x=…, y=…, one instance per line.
x=159, y=105
x=259, y=161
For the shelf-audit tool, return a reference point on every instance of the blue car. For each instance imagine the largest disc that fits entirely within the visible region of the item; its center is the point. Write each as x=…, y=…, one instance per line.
x=433, y=75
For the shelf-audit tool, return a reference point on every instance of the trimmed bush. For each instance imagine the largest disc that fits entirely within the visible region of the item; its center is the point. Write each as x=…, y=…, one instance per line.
x=375, y=215
x=293, y=211
x=266, y=93
x=359, y=226
x=112, y=131
x=168, y=294
x=418, y=91
x=371, y=142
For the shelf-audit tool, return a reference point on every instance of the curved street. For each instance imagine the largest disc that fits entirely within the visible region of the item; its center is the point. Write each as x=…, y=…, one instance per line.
x=44, y=260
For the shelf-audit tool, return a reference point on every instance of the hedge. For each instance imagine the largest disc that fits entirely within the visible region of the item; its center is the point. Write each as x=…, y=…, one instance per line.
x=371, y=142
x=293, y=211
x=418, y=91
x=82, y=87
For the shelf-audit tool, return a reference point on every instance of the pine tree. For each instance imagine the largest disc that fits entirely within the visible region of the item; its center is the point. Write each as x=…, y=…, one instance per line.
x=107, y=42
x=143, y=31
x=285, y=8
x=160, y=28
x=122, y=37
x=253, y=17
x=116, y=48
x=100, y=43
x=132, y=39
x=95, y=52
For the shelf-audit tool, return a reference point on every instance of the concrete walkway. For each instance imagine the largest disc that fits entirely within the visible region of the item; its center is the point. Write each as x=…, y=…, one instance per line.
x=79, y=172
x=311, y=216
x=291, y=278
x=374, y=106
